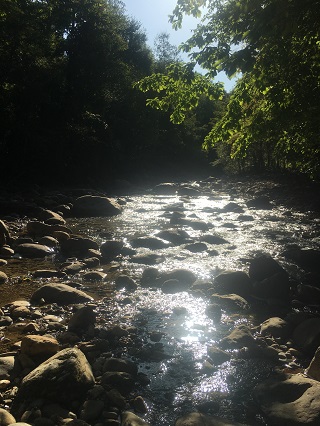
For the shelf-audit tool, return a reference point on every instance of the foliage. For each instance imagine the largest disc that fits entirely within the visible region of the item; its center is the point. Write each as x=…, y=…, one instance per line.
x=271, y=120
x=179, y=88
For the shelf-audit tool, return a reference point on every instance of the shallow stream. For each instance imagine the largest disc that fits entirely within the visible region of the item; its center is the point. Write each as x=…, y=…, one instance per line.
x=180, y=381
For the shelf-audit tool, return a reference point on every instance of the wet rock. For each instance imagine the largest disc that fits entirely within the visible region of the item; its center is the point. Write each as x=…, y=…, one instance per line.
x=32, y=251
x=232, y=208
x=276, y=327
x=182, y=275
x=118, y=364
x=7, y=365
x=308, y=294
x=94, y=276
x=39, y=346
x=290, y=400
x=77, y=246
x=6, y=418
x=4, y=233
x=95, y=206
x=213, y=239
x=147, y=259
x=3, y=262
x=139, y=405
x=60, y=293
x=40, y=229
x=196, y=224
x=241, y=336
x=174, y=286
x=217, y=356
x=51, y=217
x=313, y=369
x=165, y=189
x=72, y=268
x=307, y=335
x=48, y=241
x=190, y=191
x=92, y=262
x=64, y=377
x=82, y=319
x=131, y=419
x=61, y=235
x=245, y=218
x=275, y=287
x=259, y=203
x=151, y=243
x=230, y=302
x=3, y=277
x=174, y=236
x=124, y=281
x=91, y=410
x=213, y=311
x=236, y=282
x=111, y=249
x=120, y=380
x=149, y=276
x=6, y=252
x=196, y=247
x=116, y=398
x=199, y=419
x=264, y=266
x=308, y=259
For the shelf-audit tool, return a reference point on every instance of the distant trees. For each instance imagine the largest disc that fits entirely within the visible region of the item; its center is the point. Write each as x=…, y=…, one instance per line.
x=272, y=117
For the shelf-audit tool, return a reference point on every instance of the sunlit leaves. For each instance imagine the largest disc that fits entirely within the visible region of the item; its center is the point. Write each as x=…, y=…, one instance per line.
x=178, y=90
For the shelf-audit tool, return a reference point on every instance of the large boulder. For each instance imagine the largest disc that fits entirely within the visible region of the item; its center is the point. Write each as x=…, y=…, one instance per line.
x=33, y=251
x=237, y=282
x=307, y=335
x=95, y=206
x=290, y=400
x=39, y=346
x=62, y=294
x=264, y=266
x=65, y=377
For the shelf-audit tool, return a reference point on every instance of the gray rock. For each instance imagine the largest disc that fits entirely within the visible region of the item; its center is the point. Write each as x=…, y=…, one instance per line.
x=6, y=418
x=230, y=302
x=77, y=246
x=264, y=266
x=82, y=319
x=32, y=251
x=126, y=282
x=4, y=233
x=174, y=236
x=276, y=327
x=217, y=355
x=60, y=293
x=241, y=336
x=237, y=282
x=64, y=377
x=290, y=400
x=95, y=206
x=151, y=243
x=3, y=277
x=130, y=419
x=307, y=335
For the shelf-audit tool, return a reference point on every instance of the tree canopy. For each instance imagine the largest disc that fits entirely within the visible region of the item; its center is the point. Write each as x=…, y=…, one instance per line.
x=272, y=117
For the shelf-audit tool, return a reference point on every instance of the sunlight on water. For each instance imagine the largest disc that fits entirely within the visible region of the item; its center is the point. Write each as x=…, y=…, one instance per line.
x=186, y=331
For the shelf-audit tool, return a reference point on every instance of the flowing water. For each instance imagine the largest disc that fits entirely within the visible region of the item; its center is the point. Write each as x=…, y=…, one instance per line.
x=179, y=381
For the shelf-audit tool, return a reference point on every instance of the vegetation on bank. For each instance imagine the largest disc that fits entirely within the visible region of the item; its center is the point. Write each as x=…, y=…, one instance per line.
x=70, y=108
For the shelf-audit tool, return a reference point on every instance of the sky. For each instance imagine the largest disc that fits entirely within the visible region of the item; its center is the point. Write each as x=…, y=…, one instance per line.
x=154, y=16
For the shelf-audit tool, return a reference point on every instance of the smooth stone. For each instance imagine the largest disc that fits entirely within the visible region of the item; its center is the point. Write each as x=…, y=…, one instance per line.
x=6, y=418
x=237, y=282
x=241, y=336
x=130, y=419
x=276, y=327
x=32, y=251
x=35, y=345
x=3, y=277
x=60, y=293
x=290, y=400
x=95, y=206
x=230, y=302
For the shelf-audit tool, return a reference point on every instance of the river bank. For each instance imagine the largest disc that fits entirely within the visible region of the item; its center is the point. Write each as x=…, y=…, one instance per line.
x=184, y=298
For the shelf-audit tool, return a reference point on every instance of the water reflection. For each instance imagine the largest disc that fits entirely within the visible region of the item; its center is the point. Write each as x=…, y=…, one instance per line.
x=179, y=382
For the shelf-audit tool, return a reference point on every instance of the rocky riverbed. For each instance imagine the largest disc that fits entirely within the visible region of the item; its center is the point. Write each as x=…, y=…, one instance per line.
x=190, y=303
